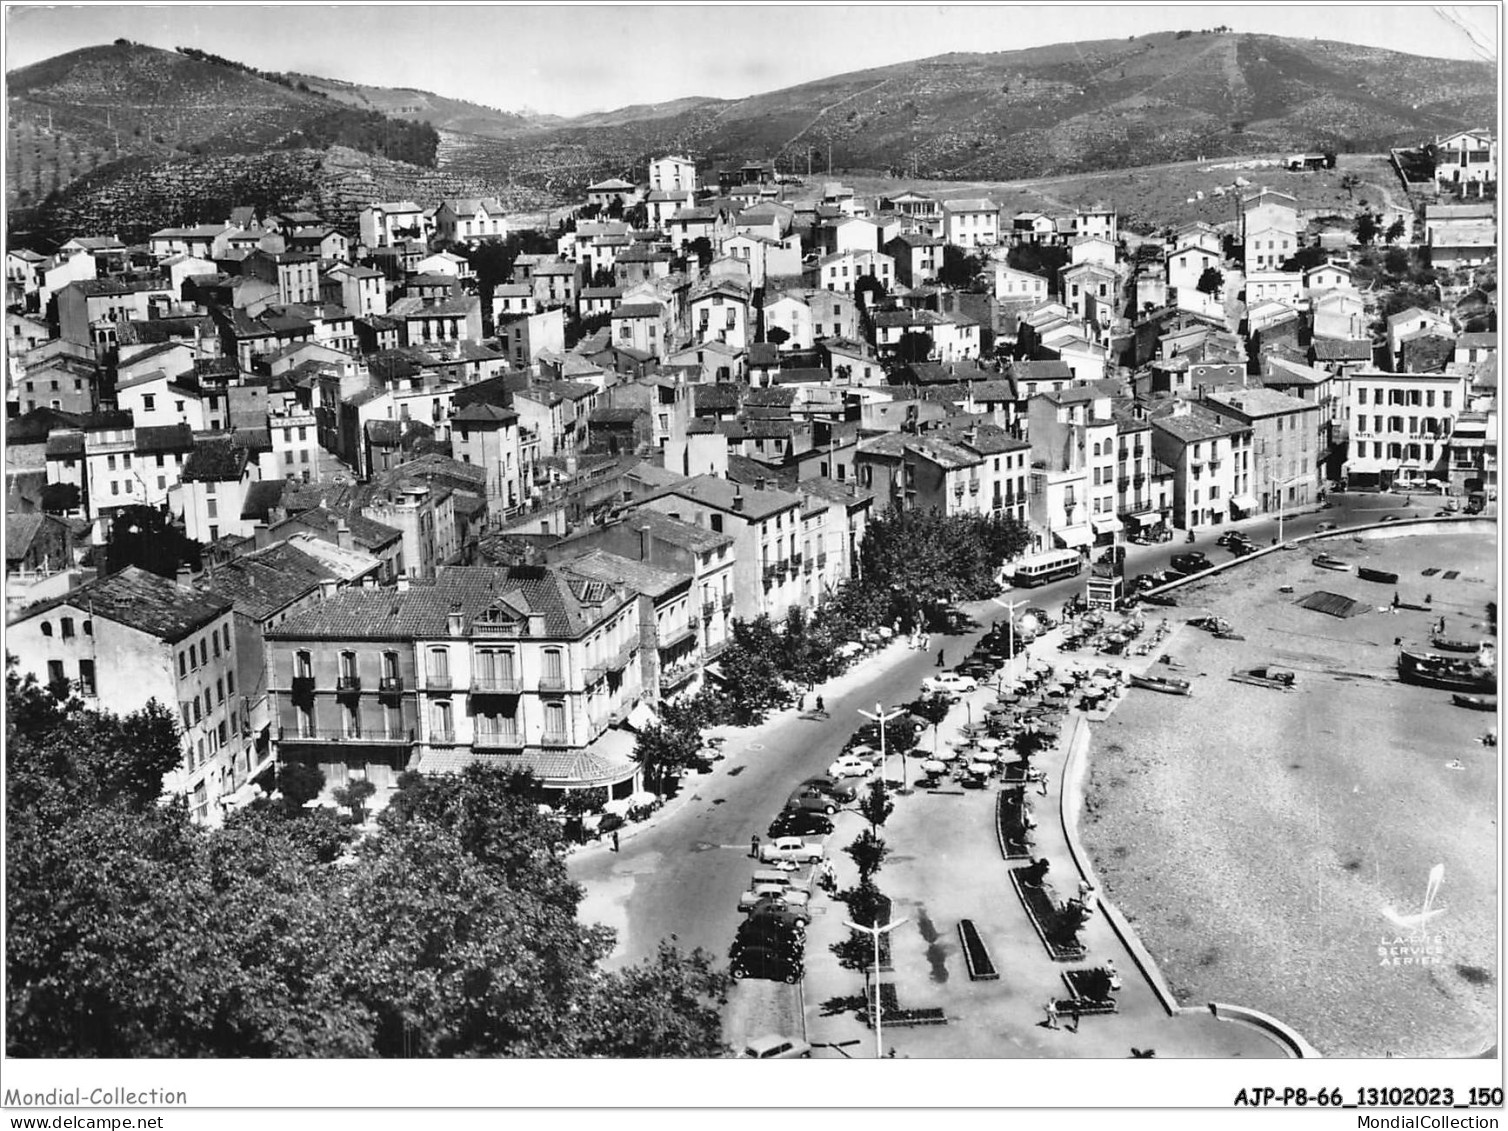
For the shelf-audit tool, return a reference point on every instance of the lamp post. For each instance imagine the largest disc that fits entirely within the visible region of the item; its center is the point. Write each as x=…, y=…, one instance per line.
x=879, y=1008
x=1010, y=608
x=881, y=717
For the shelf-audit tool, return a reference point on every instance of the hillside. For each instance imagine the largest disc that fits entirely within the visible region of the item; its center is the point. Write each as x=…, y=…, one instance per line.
x=92, y=112
x=1062, y=108
x=407, y=104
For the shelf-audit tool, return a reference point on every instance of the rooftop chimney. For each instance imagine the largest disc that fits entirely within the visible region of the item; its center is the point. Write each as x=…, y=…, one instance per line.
x=455, y=620
x=759, y=482
x=185, y=577
x=259, y=536
x=402, y=583
x=327, y=587
x=343, y=535
x=644, y=543
x=738, y=497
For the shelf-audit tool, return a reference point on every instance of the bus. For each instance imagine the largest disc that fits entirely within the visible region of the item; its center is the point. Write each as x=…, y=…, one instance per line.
x=1039, y=569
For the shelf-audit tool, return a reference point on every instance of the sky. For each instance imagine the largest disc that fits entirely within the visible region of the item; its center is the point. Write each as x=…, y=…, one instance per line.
x=575, y=58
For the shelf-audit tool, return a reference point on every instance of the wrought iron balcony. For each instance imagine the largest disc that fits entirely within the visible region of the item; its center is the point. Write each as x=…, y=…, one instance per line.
x=303, y=689
x=390, y=685
x=498, y=739
x=555, y=738
x=553, y=682
x=338, y=735
x=727, y=602
x=709, y=609
x=348, y=685
x=496, y=684
x=433, y=682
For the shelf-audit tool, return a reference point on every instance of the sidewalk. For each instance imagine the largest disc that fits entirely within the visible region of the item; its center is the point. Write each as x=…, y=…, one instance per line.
x=943, y=843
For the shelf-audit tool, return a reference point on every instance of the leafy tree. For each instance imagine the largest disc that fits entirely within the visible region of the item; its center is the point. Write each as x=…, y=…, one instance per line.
x=1349, y=182
x=959, y=269
x=1040, y=259
x=776, y=335
x=1397, y=261
x=1366, y=227
x=1305, y=258
x=1396, y=230
x=1211, y=281
x=354, y=796
x=665, y=752
x=869, y=292
x=875, y=806
x=299, y=783
x=913, y=346
x=146, y=537
x=701, y=247
x=60, y=498
x=932, y=708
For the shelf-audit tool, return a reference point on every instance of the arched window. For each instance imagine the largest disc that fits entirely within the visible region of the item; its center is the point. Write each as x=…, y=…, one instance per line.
x=47, y=628
x=88, y=628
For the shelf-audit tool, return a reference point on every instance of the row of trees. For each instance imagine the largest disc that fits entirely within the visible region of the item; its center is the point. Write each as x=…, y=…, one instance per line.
x=452, y=932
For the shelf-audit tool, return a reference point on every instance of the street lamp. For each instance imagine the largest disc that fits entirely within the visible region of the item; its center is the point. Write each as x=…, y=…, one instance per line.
x=1010, y=621
x=879, y=1006
x=882, y=718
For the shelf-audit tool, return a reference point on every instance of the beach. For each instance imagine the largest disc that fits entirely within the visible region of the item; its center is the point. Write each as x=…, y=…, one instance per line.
x=1273, y=848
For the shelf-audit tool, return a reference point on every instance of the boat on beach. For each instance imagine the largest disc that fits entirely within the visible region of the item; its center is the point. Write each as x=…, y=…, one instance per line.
x=1168, y=685
x=1453, y=672
x=1330, y=561
x=1476, y=702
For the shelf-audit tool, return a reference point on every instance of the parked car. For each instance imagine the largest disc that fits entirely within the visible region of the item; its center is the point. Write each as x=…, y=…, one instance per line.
x=776, y=1046
x=840, y=789
x=1326, y=527
x=800, y=822
x=811, y=802
x=1231, y=536
x=1189, y=563
x=977, y=670
x=780, y=910
x=774, y=921
x=784, y=893
x=1241, y=549
x=767, y=964
x=1388, y=518
x=789, y=946
x=950, y=681
x=1144, y=581
x=790, y=848
x=849, y=766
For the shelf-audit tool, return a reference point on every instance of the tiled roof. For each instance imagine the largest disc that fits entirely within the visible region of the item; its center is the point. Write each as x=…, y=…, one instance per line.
x=605, y=761
x=1258, y=402
x=712, y=491
x=261, y=497
x=164, y=438
x=265, y=581
x=831, y=491
x=365, y=532
x=638, y=310
x=642, y=577
x=139, y=600
x=770, y=396
x=1194, y=426
x=1041, y=371
x=562, y=596
x=216, y=460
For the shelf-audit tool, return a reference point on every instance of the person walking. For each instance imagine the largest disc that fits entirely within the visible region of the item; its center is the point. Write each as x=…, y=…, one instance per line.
x=615, y=840
x=1051, y=1010
x=754, y=846
x=940, y=655
x=821, y=707
x=1073, y=1015
x=1115, y=975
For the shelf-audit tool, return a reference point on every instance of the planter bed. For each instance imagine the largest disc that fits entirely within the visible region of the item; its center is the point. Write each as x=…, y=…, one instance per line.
x=1011, y=835
x=892, y=1014
x=1042, y=912
x=976, y=957
x=1074, y=980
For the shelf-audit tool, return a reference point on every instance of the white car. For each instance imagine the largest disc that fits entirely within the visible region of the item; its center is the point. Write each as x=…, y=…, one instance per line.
x=950, y=681
x=849, y=767
x=777, y=1047
x=794, y=898
x=790, y=848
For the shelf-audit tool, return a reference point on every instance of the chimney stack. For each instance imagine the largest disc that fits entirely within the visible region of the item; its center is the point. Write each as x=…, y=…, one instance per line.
x=402, y=583
x=738, y=497
x=644, y=543
x=455, y=620
x=759, y=482
x=259, y=536
x=343, y=535
x=327, y=588
x=185, y=577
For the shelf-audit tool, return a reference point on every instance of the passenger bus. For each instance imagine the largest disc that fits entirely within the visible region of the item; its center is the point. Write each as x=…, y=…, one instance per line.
x=1039, y=569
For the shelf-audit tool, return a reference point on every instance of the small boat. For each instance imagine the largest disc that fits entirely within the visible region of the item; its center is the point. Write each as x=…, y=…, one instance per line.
x=1330, y=561
x=1451, y=672
x=1166, y=684
x=1280, y=679
x=1476, y=702
x=1445, y=644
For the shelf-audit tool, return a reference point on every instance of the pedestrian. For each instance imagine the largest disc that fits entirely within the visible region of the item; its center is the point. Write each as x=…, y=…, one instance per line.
x=940, y=654
x=1115, y=975
x=754, y=846
x=1429, y=598
x=1397, y=640
x=1073, y=1015
x=1395, y=598
x=1051, y=1009
x=615, y=840
x=821, y=707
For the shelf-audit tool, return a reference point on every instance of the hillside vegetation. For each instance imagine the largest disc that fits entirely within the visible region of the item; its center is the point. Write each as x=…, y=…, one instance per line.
x=1057, y=109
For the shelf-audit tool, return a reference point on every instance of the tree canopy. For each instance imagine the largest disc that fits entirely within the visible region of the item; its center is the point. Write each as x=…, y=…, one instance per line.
x=451, y=932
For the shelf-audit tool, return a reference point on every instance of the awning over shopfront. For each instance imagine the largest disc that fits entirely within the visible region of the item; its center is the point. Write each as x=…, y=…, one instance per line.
x=1244, y=503
x=642, y=717
x=1146, y=518
x=1105, y=525
x=1072, y=537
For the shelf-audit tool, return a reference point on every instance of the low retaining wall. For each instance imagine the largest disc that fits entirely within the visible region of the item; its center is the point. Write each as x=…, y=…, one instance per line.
x=1295, y=1045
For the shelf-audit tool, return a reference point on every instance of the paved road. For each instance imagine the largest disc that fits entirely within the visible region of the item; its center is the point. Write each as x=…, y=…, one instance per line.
x=682, y=874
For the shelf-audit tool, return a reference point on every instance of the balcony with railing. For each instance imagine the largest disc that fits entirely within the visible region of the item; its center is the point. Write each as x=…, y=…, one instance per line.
x=555, y=738
x=709, y=609
x=379, y=735
x=390, y=685
x=303, y=689
x=346, y=685
x=727, y=602
x=822, y=561
x=489, y=683
x=438, y=681
x=552, y=681
x=498, y=739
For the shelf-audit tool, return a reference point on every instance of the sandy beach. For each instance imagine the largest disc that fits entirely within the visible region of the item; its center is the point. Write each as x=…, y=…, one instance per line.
x=1268, y=845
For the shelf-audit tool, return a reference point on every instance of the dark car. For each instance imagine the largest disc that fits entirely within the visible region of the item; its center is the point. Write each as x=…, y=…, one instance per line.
x=842, y=789
x=771, y=965
x=781, y=911
x=1144, y=581
x=1190, y=563
x=790, y=945
x=1231, y=536
x=801, y=822
x=976, y=669
x=773, y=922
x=813, y=802
x=1242, y=548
